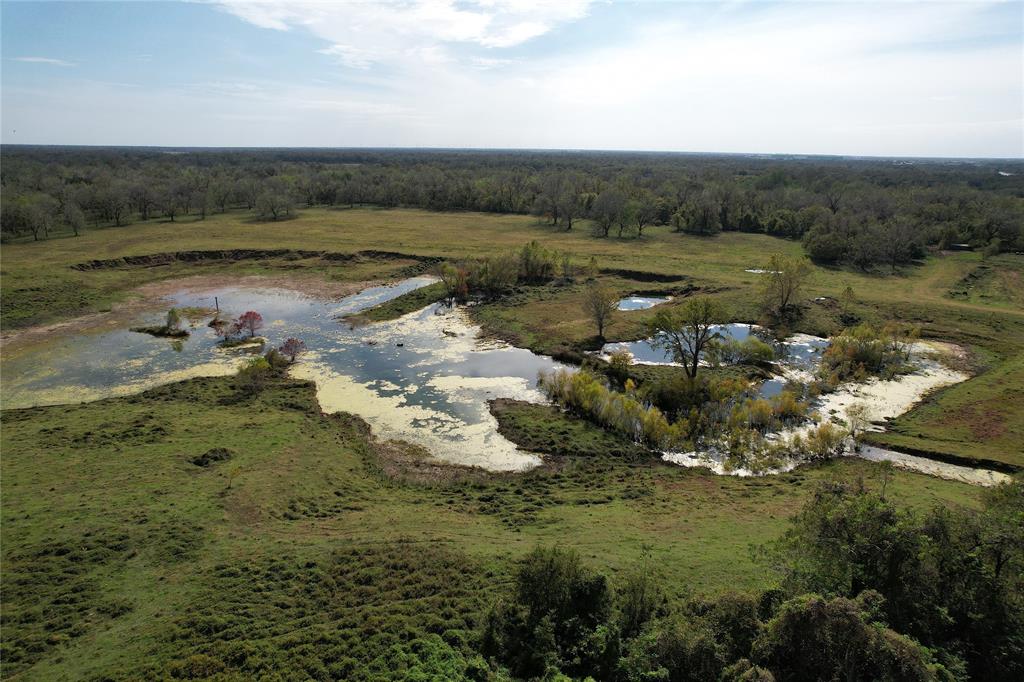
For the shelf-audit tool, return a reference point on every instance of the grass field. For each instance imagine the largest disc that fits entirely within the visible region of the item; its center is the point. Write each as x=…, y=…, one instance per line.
x=127, y=553
x=984, y=315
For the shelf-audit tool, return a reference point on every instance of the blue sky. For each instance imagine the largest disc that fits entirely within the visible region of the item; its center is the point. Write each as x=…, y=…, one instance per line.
x=912, y=79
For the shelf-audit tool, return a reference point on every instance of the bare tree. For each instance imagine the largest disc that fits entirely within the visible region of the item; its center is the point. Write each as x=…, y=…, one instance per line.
x=784, y=281
x=275, y=201
x=74, y=216
x=600, y=303
x=608, y=209
x=858, y=416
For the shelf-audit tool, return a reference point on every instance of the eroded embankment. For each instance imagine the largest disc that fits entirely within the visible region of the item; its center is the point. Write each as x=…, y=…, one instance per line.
x=166, y=258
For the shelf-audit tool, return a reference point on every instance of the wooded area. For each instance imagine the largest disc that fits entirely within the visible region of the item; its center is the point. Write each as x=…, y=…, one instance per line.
x=866, y=213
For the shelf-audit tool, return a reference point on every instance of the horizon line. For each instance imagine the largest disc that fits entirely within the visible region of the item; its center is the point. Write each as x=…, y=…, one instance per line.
x=549, y=150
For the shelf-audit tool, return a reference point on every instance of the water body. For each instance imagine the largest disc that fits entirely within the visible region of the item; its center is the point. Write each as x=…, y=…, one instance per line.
x=797, y=352
x=425, y=377
x=641, y=302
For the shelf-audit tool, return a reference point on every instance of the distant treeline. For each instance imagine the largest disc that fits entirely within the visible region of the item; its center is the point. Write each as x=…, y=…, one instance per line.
x=863, y=212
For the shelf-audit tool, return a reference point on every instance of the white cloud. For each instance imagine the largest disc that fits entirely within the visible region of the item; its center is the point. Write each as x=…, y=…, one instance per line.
x=350, y=56
x=930, y=79
x=363, y=33
x=45, y=60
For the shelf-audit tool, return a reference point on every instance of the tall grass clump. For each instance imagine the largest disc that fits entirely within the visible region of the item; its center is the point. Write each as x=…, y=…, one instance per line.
x=585, y=394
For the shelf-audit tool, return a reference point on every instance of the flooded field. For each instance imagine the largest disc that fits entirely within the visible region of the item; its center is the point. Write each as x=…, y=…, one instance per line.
x=425, y=377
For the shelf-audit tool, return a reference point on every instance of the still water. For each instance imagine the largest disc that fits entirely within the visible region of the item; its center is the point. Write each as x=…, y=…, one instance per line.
x=640, y=302
x=425, y=377
x=800, y=352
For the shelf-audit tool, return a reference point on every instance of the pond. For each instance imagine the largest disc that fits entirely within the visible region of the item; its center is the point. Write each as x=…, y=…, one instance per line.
x=641, y=302
x=424, y=377
x=797, y=352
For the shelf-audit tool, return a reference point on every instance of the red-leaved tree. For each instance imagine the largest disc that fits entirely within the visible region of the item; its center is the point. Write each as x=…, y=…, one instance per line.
x=292, y=348
x=250, y=321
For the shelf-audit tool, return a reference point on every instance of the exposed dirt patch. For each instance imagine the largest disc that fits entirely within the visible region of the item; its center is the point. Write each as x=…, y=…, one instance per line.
x=641, y=276
x=159, y=259
x=408, y=462
x=984, y=423
x=211, y=457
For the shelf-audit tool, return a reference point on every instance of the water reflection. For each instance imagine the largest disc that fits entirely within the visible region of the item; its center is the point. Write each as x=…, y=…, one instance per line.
x=424, y=377
x=797, y=352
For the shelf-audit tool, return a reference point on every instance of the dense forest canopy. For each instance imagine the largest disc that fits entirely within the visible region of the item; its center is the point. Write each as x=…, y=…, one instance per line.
x=861, y=212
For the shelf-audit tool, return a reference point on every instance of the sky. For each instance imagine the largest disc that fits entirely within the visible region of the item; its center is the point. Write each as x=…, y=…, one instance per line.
x=938, y=79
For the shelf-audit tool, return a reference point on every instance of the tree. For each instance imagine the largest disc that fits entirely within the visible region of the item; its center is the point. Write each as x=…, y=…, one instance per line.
x=608, y=210
x=557, y=616
x=940, y=584
x=784, y=282
x=686, y=330
x=700, y=216
x=900, y=243
x=456, y=282
x=599, y=302
x=144, y=197
x=858, y=416
x=643, y=211
x=170, y=202
x=74, y=217
x=815, y=639
x=292, y=348
x=250, y=321
x=274, y=200
x=570, y=205
x=639, y=597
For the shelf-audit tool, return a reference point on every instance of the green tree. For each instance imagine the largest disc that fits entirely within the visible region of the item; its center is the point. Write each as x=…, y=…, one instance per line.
x=686, y=330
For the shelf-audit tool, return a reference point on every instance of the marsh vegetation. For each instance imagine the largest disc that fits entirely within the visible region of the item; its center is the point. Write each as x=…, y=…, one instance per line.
x=348, y=468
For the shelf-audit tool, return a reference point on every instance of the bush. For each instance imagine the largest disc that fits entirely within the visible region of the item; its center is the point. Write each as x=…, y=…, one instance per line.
x=825, y=441
x=536, y=263
x=861, y=351
x=253, y=375
x=584, y=394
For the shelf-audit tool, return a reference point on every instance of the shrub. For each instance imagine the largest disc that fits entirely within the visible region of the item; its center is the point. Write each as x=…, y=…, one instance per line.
x=536, y=263
x=861, y=351
x=824, y=441
x=584, y=394
x=253, y=375
x=496, y=275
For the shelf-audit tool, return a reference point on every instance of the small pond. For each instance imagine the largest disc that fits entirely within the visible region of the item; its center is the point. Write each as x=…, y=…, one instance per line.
x=641, y=302
x=424, y=377
x=797, y=352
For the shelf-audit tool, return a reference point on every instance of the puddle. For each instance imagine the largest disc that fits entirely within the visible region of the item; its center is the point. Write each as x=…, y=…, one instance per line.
x=641, y=302
x=423, y=377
